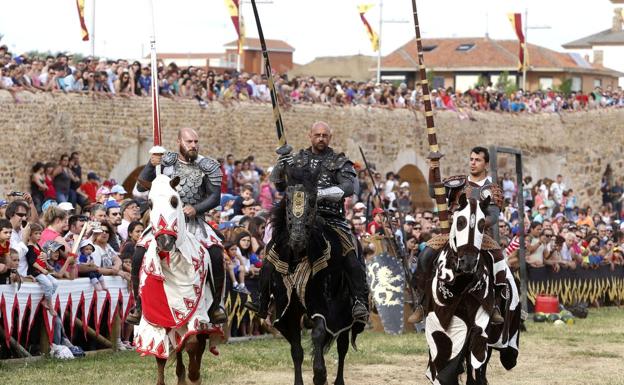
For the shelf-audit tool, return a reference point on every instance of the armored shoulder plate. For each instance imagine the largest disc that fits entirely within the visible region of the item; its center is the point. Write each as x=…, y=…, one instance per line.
x=336, y=161
x=301, y=159
x=169, y=159
x=455, y=181
x=494, y=192
x=212, y=169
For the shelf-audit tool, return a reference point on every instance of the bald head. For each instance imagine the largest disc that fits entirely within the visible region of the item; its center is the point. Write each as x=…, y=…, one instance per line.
x=320, y=135
x=188, y=140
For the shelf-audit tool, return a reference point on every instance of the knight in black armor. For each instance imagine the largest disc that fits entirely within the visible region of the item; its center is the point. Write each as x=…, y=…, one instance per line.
x=200, y=191
x=336, y=181
x=478, y=185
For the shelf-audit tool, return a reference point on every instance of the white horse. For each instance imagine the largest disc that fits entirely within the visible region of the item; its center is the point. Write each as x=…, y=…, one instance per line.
x=174, y=287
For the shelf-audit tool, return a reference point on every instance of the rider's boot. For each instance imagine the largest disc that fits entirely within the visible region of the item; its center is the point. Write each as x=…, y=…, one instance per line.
x=134, y=316
x=261, y=306
x=419, y=312
x=496, y=317
x=356, y=277
x=216, y=313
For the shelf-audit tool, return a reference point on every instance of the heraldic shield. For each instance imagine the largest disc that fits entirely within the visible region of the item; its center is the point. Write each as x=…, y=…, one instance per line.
x=386, y=280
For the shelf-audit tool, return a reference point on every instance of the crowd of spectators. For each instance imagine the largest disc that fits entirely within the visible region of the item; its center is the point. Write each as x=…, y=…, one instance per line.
x=40, y=226
x=109, y=78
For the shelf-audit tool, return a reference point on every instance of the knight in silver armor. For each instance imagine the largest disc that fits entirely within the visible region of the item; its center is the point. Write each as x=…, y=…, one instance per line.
x=200, y=191
x=336, y=181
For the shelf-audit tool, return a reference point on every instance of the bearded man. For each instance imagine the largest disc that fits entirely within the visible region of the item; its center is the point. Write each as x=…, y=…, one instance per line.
x=200, y=191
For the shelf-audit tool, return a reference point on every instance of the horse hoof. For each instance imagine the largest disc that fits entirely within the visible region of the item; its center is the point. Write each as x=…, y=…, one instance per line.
x=198, y=382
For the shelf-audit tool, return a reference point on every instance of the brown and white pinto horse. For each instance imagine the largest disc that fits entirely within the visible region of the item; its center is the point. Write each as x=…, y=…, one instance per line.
x=458, y=329
x=174, y=288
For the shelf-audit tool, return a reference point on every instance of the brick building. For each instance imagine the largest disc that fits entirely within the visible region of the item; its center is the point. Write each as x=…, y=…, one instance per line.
x=281, y=55
x=461, y=62
x=605, y=47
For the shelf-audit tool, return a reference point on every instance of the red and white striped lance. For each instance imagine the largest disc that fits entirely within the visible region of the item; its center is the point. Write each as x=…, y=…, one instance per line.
x=154, y=86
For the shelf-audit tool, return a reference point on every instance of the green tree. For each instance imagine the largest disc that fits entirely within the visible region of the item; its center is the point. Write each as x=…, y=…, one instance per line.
x=565, y=87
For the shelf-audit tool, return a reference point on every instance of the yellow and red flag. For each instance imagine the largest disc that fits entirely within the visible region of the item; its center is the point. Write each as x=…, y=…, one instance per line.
x=516, y=23
x=80, y=4
x=372, y=35
x=233, y=7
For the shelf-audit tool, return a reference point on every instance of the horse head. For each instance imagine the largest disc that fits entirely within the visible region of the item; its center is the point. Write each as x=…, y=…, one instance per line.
x=166, y=216
x=300, y=201
x=467, y=232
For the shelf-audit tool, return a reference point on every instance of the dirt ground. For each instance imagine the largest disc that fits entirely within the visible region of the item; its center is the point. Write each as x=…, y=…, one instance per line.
x=569, y=355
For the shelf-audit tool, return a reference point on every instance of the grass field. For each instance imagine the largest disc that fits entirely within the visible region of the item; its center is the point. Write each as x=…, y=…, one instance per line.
x=591, y=352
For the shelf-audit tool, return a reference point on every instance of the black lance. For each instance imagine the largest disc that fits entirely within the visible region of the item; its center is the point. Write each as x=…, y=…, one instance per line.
x=284, y=148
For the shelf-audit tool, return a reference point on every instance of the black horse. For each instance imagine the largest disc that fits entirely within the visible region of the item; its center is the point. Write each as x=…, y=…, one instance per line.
x=309, y=286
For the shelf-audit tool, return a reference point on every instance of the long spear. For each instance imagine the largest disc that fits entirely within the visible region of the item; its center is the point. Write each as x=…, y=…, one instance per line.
x=434, y=149
x=279, y=126
x=154, y=87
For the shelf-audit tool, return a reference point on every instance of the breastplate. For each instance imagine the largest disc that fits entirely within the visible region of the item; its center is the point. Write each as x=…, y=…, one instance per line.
x=191, y=187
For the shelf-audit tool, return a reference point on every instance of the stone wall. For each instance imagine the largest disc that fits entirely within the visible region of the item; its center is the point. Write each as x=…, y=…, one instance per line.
x=114, y=136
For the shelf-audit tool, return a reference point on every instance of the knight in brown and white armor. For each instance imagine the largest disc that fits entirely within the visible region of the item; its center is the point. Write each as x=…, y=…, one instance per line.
x=200, y=191
x=477, y=185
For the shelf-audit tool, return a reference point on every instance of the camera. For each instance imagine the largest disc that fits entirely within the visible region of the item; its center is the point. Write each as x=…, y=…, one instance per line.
x=16, y=194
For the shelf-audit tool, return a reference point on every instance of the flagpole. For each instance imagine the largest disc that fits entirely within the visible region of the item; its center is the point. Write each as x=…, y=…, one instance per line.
x=238, y=56
x=93, y=29
x=379, y=42
x=154, y=86
x=524, y=56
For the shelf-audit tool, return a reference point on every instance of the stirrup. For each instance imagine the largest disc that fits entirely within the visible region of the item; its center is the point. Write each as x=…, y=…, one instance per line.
x=359, y=311
x=417, y=316
x=496, y=318
x=134, y=317
x=252, y=306
x=217, y=315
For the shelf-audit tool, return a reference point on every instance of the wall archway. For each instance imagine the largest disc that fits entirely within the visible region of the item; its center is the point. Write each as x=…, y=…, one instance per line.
x=419, y=188
x=133, y=158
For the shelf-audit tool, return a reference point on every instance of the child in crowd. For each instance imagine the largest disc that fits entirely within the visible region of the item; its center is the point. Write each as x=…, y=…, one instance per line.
x=54, y=252
x=38, y=267
x=236, y=267
x=595, y=259
x=5, y=237
x=8, y=268
x=86, y=249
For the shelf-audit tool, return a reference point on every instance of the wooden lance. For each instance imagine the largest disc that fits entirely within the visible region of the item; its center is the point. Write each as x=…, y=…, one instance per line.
x=434, y=150
x=284, y=148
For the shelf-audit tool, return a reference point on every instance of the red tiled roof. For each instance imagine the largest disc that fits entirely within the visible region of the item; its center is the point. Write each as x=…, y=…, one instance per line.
x=164, y=55
x=254, y=44
x=486, y=53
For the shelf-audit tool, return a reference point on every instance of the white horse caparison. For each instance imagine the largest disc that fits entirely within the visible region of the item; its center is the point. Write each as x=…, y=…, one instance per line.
x=174, y=287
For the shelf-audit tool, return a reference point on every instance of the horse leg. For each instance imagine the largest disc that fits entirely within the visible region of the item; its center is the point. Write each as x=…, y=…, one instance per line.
x=296, y=350
x=161, y=362
x=201, y=348
x=192, y=346
x=343, y=347
x=180, y=369
x=319, y=336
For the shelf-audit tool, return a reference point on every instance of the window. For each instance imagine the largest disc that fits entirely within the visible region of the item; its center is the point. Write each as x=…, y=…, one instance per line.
x=438, y=82
x=429, y=48
x=577, y=84
x=465, y=47
x=464, y=83
x=545, y=83
x=597, y=83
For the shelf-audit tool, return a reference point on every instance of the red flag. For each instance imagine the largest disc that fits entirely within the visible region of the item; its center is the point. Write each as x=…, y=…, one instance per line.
x=234, y=9
x=516, y=23
x=372, y=35
x=80, y=4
